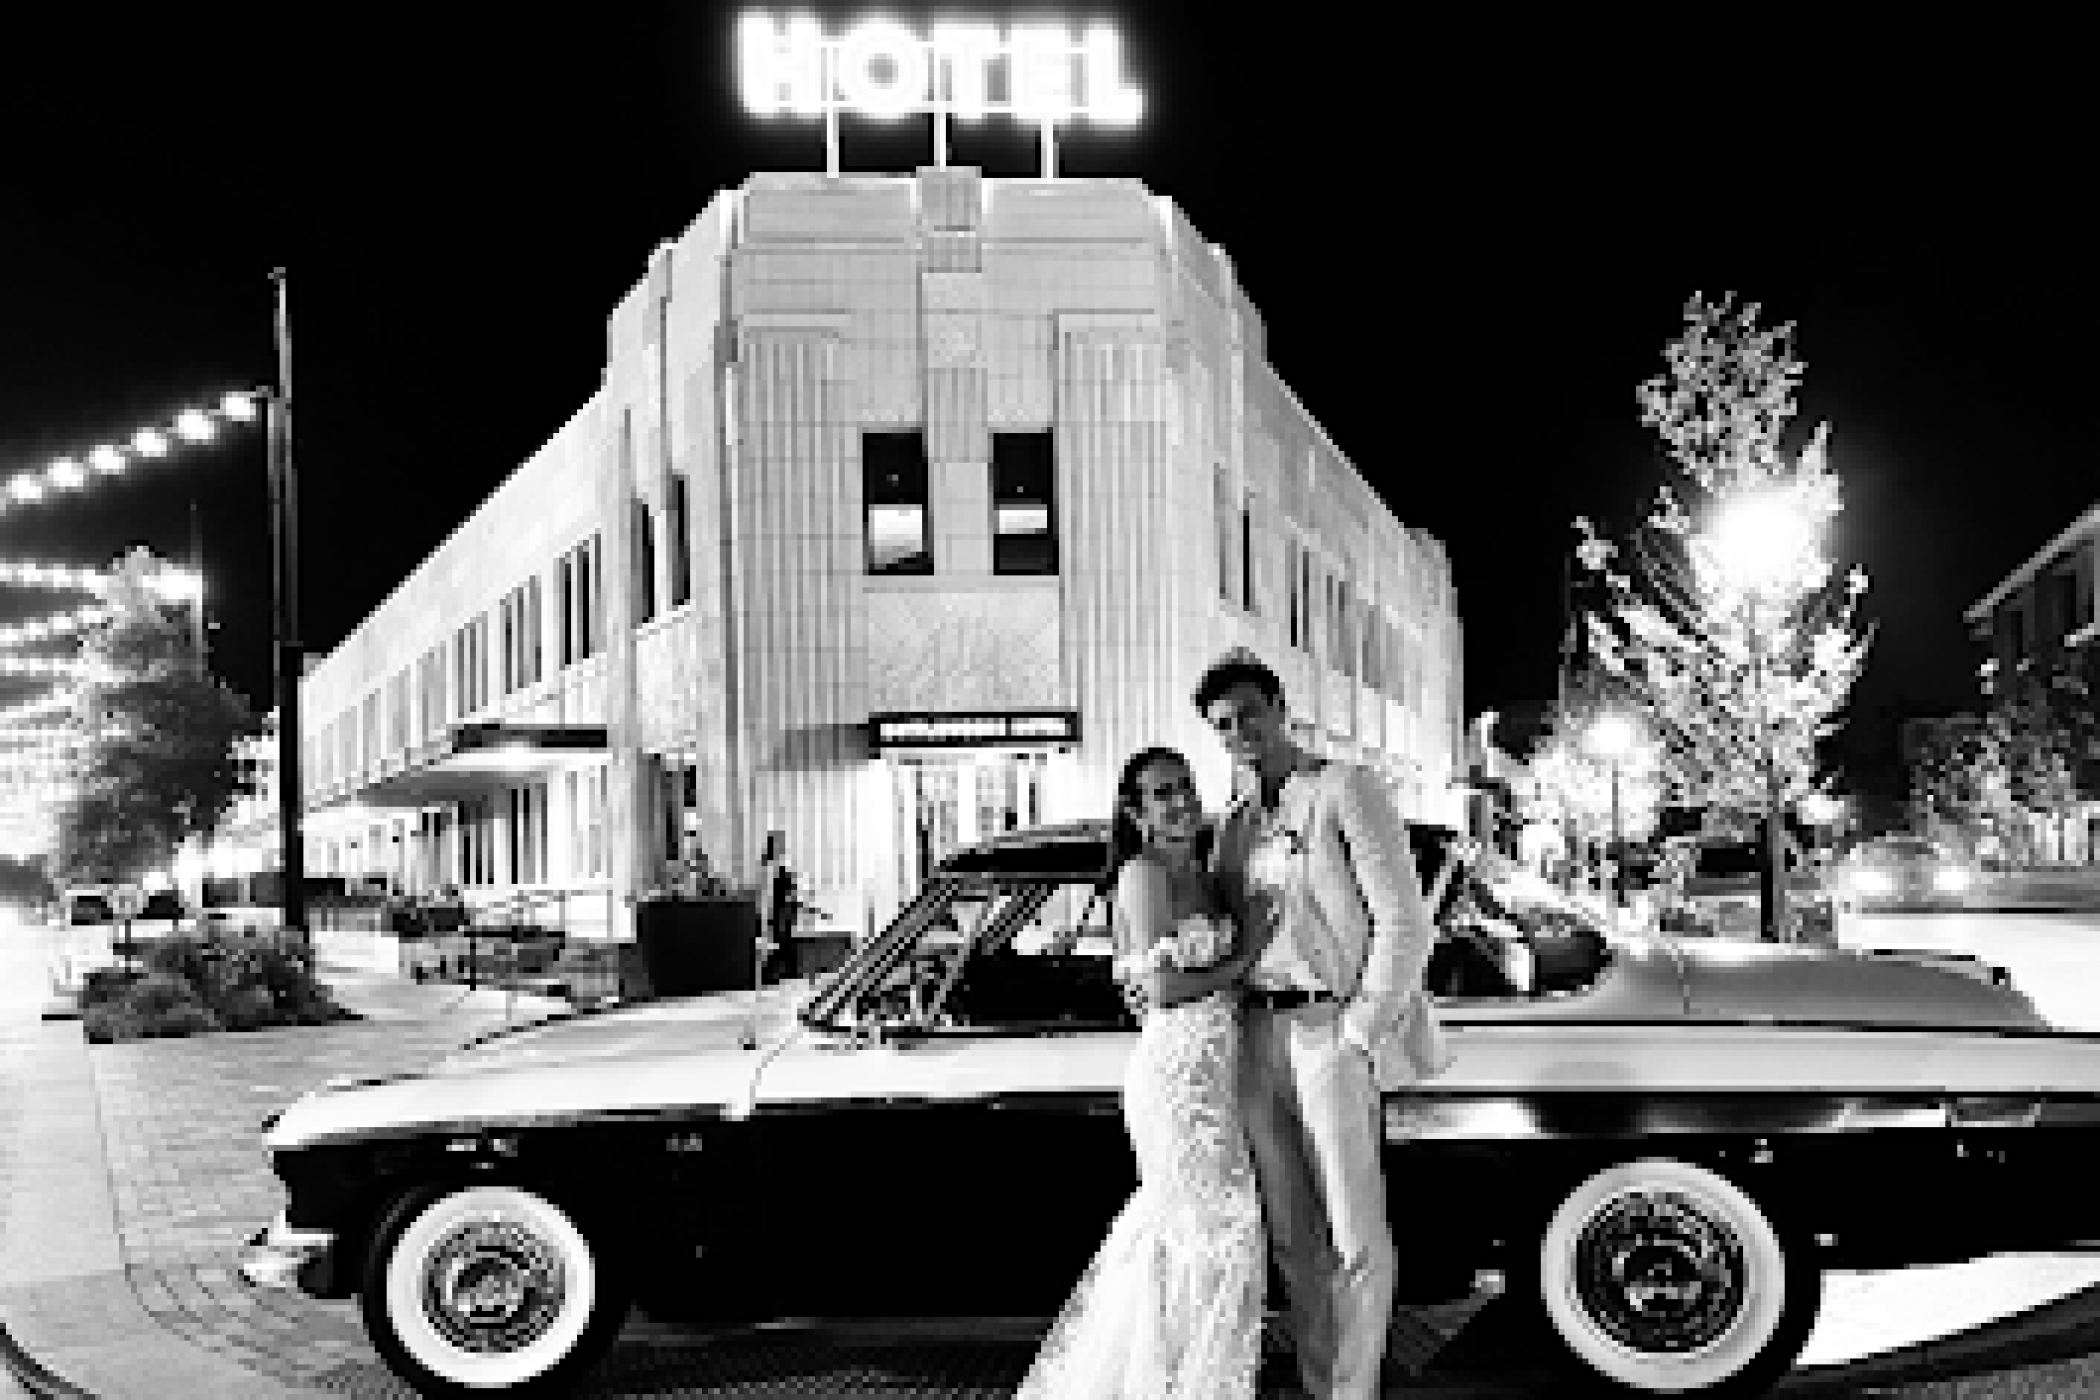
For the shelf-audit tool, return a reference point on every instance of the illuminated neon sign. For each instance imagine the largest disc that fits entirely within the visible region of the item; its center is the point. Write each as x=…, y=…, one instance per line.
x=879, y=68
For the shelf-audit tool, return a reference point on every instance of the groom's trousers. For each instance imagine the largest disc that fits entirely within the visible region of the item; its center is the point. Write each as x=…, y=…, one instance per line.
x=1312, y=1118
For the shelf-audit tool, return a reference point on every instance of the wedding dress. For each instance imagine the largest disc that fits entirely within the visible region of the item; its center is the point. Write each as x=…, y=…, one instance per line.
x=1170, y=1307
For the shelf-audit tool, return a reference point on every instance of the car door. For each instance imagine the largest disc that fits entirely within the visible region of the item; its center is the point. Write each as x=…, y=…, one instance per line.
x=956, y=1143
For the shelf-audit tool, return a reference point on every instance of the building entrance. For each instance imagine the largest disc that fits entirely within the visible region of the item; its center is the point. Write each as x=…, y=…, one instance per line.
x=950, y=800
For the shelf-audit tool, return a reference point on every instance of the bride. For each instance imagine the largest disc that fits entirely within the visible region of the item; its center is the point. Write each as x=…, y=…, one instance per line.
x=1171, y=1305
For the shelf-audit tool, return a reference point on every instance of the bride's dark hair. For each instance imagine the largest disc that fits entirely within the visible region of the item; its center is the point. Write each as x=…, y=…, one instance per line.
x=1124, y=838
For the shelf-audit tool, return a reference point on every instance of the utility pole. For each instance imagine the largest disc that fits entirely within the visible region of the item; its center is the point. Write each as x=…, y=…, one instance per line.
x=284, y=576
x=197, y=596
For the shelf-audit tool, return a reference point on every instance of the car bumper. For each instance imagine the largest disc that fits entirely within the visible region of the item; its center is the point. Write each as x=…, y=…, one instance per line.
x=290, y=1257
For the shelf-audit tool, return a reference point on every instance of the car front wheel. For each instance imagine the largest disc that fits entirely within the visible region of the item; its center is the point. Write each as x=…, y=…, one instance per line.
x=1660, y=1277
x=488, y=1289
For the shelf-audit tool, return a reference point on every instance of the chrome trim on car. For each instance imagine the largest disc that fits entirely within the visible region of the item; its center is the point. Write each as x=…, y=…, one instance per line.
x=1504, y=1117
x=275, y=1254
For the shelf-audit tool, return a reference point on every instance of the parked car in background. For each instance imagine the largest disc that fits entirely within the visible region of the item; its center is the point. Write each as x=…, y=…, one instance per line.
x=1907, y=872
x=1715, y=892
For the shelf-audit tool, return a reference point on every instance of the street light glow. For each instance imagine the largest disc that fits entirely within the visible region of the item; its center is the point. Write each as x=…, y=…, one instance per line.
x=1612, y=737
x=1762, y=540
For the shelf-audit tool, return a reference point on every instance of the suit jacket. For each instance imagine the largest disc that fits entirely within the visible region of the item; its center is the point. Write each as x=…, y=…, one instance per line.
x=1356, y=884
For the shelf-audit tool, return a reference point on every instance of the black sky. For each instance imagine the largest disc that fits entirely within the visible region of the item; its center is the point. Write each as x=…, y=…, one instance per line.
x=1468, y=245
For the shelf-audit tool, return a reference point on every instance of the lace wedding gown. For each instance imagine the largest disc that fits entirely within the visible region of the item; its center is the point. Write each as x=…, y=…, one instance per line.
x=1171, y=1304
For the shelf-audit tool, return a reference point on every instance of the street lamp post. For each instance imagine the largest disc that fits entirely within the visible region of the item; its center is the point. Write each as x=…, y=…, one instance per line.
x=284, y=561
x=1611, y=738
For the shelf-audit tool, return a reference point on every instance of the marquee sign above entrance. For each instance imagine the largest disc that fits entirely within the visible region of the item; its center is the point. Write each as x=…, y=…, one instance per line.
x=879, y=68
x=989, y=729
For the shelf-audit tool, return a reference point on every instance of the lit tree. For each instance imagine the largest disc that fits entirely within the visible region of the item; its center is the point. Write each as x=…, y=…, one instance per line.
x=160, y=761
x=1720, y=622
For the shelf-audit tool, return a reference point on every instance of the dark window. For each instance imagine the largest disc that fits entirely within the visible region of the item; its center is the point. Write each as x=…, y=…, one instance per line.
x=644, y=562
x=1222, y=504
x=565, y=609
x=893, y=484
x=1024, y=507
x=677, y=525
x=1247, y=553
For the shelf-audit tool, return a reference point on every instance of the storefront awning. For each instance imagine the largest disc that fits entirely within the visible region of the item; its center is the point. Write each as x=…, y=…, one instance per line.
x=475, y=760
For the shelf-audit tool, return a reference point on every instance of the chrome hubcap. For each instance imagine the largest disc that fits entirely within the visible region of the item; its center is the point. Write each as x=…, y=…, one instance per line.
x=1658, y=1273
x=492, y=1285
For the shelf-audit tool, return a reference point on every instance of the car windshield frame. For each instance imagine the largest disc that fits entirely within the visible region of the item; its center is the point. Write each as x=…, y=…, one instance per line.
x=1011, y=898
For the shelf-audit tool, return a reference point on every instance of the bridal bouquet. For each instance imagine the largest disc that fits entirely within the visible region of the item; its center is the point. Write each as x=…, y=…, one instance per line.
x=1199, y=943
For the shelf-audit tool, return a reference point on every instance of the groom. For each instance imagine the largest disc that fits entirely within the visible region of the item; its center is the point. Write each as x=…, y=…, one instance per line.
x=1335, y=1013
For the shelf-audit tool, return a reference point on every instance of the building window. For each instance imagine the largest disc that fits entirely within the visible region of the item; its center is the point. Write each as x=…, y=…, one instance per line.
x=678, y=525
x=1024, y=508
x=431, y=686
x=644, y=562
x=1222, y=510
x=1247, y=553
x=1304, y=582
x=893, y=485
x=576, y=602
x=470, y=667
x=519, y=636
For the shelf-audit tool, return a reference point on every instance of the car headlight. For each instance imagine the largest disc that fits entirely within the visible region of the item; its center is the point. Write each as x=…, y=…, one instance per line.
x=1867, y=880
x=1950, y=879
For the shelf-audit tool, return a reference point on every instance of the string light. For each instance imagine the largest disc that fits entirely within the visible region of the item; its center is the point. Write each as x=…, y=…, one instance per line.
x=67, y=474
x=52, y=666
x=43, y=629
x=65, y=577
x=51, y=702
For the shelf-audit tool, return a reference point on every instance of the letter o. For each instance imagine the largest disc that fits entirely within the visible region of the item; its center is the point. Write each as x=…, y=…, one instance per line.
x=876, y=42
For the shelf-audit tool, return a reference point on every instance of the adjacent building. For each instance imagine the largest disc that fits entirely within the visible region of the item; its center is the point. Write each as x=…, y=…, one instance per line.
x=907, y=508
x=2042, y=619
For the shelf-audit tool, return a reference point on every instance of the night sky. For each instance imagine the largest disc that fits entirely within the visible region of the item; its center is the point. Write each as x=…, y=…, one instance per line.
x=1468, y=248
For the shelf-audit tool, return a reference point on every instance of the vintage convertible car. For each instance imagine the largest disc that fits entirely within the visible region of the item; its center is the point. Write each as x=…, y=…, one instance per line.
x=1660, y=1144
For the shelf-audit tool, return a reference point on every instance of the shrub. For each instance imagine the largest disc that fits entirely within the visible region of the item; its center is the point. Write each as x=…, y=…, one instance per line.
x=182, y=1018
x=108, y=1021
x=191, y=985
x=103, y=986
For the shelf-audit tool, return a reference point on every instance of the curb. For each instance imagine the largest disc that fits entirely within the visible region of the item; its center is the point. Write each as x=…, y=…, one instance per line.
x=38, y=1380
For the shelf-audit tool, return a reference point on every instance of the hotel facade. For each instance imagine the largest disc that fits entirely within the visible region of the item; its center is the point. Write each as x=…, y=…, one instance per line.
x=908, y=507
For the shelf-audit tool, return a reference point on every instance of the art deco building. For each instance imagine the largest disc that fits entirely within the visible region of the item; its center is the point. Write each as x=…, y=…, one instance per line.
x=907, y=508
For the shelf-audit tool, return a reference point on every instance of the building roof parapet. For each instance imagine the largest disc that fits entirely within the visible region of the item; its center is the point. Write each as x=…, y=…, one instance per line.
x=2086, y=526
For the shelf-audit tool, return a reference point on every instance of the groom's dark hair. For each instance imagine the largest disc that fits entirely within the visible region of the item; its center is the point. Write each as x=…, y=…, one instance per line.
x=1237, y=667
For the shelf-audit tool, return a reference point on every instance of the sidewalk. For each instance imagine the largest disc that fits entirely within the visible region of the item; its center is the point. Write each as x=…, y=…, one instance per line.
x=132, y=1174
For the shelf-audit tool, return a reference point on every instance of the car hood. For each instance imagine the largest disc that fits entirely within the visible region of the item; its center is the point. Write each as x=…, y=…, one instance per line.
x=1793, y=982
x=683, y=1054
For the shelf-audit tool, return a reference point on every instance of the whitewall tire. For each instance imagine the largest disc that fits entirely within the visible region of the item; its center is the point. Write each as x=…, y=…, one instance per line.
x=1660, y=1277
x=488, y=1290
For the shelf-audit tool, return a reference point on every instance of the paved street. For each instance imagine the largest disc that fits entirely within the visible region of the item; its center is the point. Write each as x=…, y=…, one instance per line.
x=176, y=1123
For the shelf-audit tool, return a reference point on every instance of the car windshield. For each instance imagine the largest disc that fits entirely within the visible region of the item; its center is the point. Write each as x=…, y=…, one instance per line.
x=1506, y=933
x=984, y=953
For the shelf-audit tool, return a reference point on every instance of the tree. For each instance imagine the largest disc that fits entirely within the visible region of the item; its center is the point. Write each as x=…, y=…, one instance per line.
x=160, y=764
x=1737, y=661
x=1960, y=781
x=2045, y=726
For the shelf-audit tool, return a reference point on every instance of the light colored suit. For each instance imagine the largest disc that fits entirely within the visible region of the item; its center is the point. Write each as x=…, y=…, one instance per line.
x=1333, y=869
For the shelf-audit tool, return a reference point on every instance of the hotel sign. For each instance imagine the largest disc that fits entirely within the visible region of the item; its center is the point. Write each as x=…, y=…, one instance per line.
x=880, y=68
x=974, y=729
